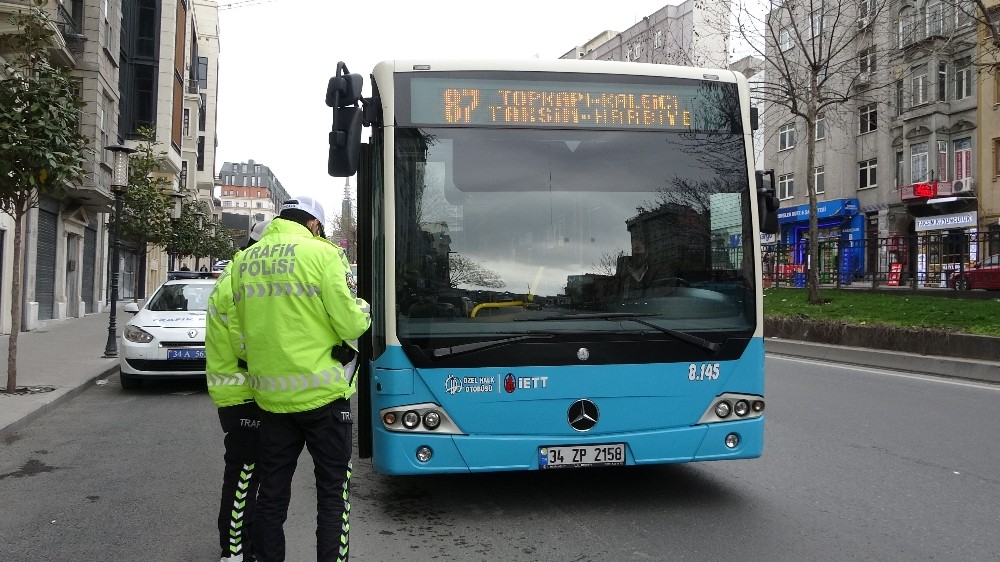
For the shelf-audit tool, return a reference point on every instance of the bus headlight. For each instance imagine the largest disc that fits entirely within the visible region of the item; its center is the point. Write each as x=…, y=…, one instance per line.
x=722, y=409
x=424, y=453
x=732, y=440
x=742, y=408
x=432, y=419
x=410, y=419
x=418, y=418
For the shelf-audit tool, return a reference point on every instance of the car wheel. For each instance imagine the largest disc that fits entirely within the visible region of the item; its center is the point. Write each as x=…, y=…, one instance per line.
x=129, y=382
x=962, y=284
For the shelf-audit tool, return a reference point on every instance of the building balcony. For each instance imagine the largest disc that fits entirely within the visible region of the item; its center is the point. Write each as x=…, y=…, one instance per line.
x=64, y=47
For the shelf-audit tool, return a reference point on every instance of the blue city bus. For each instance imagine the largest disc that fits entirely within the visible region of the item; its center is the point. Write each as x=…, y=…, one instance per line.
x=563, y=263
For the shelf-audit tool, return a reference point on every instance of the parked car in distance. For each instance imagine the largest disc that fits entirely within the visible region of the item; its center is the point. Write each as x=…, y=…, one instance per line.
x=220, y=265
x=166, y=337
x=984, y=274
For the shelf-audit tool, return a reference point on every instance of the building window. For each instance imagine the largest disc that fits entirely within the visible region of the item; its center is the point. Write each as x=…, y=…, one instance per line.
x=866, y=60
x=935, y=19
x=918, y=163
x=942, y=160
x=996, y=157
x=203, y=72
x=819, y=179
x=227, y=203
x=869, y=118
x=963, y=158
x=866, y=10
x=786, y=186
x=816, y=24
x=866, y=173
x=918, y=86
x=785, y=39
x=107, y=37
x=899, y=168
x=820, y=127
x=942, y=81
x=786, y=136
x=260, y=205
x=201, y=154
x=106, y=110
x=187, y=122
x=658, y=39
x=899, y=97
x=963, y=78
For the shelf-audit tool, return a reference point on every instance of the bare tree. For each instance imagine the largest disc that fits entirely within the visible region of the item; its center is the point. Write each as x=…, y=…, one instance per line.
x=817, y=55
x=464, y=271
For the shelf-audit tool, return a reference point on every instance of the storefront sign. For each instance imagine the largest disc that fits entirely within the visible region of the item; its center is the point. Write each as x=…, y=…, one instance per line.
x=947, y=222
x=824, y=209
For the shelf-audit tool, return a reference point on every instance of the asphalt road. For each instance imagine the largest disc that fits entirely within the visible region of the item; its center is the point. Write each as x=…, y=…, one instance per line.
x=858, y=465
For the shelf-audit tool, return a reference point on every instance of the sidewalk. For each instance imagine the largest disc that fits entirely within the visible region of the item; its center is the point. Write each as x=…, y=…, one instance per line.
x=66, y=356
x=62, y=355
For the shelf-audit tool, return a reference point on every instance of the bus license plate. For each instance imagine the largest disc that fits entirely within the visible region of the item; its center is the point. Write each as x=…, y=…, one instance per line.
x=567, y=456
x=196, y=353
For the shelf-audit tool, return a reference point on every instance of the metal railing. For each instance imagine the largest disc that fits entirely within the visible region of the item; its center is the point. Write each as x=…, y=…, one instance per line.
x=917, y=261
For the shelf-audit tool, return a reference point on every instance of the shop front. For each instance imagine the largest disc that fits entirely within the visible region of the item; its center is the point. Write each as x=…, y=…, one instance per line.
x=948, y=243
x=841, y=248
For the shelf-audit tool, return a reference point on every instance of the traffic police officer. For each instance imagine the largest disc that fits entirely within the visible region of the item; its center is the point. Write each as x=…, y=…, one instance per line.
x=238, y=414
x=296, y=311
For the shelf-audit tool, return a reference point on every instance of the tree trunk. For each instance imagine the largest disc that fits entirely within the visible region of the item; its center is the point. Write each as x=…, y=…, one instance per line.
x=15, y=299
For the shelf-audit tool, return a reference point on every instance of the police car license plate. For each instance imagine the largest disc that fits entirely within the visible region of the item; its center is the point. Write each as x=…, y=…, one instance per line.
x=192, y=353
x=566, y=456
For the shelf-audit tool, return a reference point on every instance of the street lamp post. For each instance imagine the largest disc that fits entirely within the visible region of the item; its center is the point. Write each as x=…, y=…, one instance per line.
x=199, y=216
x=119, y=184
x=175, y=216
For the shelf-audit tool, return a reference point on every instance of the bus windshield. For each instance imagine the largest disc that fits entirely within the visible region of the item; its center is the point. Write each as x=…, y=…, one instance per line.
x=502, y=231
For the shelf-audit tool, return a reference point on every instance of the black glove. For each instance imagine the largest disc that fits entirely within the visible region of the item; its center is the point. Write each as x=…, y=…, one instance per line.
x=343, y=353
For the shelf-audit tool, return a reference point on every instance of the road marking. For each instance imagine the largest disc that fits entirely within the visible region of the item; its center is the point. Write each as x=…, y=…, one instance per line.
x=875, y=370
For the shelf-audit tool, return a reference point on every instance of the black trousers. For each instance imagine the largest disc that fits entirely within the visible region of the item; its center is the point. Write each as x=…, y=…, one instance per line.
x=326, y=433
x=241, y=425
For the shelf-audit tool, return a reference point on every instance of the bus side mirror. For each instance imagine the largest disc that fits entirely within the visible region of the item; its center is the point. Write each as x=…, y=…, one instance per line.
x=345, y=142
x=767, y=202
x=343, y=92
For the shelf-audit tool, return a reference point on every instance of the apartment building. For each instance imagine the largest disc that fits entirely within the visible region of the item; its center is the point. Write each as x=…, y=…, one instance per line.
x=897, y=159
x=690, y=34
x=248, y=193
x=169, y=66
x=65, y=240
x=988, y=173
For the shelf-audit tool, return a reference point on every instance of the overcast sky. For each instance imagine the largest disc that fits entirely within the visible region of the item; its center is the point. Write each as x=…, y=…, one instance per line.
x=277, y=56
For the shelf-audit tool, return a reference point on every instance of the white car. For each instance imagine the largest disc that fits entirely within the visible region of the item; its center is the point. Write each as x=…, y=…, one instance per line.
x=166, y=337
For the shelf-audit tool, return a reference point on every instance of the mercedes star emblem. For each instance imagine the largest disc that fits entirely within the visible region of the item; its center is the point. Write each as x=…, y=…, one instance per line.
x=192, y=333
x=582, y=415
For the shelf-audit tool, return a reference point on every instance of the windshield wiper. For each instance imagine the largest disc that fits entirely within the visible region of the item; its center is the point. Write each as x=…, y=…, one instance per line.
x=635, y=317
x=480, y=345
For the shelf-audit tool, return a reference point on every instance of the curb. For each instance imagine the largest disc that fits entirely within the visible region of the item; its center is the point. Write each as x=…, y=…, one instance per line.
x=45, y=408
x=951, y=367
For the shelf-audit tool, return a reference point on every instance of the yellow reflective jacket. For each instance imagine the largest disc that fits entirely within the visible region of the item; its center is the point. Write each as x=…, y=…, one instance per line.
x=293, y=305
x=226, y=379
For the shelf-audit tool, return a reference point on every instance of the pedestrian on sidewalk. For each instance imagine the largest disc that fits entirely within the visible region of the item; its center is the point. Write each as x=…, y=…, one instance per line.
x=297, y=313
x=239, y=416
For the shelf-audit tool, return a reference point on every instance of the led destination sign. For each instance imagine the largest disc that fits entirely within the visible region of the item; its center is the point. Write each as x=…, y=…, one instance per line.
x=523, y=103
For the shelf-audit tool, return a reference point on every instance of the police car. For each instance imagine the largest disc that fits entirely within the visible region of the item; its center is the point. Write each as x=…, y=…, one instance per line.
x=166, y=337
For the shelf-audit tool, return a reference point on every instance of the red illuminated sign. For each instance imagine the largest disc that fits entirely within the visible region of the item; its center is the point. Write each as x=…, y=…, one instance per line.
x=929, y=189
